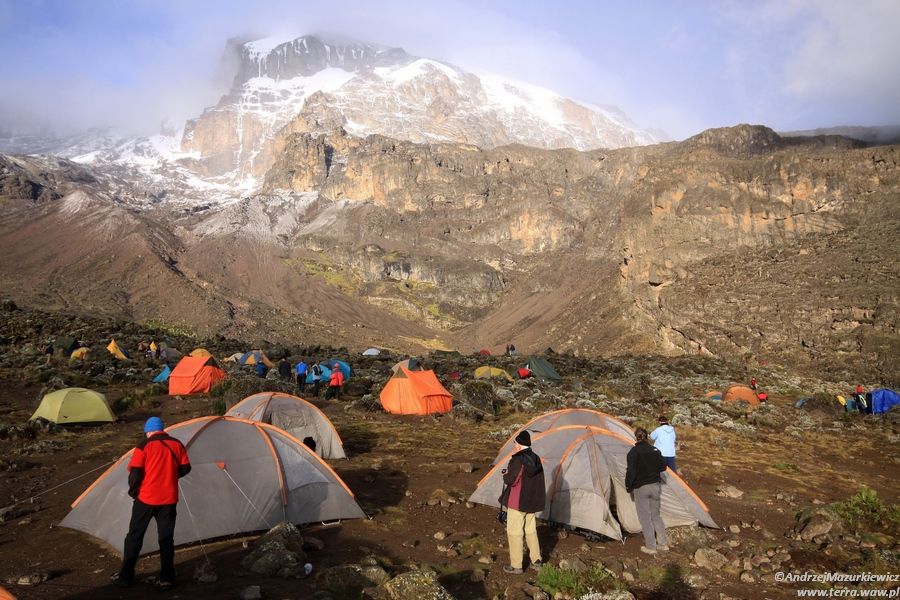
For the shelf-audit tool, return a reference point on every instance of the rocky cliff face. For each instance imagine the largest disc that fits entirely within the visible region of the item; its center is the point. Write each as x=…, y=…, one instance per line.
x=736, y=242
x=313, y=85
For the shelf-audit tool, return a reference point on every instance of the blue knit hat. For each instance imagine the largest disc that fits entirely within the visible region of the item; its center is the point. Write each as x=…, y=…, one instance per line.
x=154, y=424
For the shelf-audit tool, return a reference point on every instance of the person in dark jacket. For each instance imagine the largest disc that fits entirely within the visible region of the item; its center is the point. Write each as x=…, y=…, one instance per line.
x=157, y=464
x=261, y=369
x=523, y=498
x=643, y=482
x=284, y=369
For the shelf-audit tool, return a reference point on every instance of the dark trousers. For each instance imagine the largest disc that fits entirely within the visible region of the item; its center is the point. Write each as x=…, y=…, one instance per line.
x=316, y=383
x=334, y=391
x=165, y=524
x=301, y=384
x=670, y=462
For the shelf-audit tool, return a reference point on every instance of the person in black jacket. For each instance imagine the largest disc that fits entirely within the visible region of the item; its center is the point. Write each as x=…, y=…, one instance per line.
x=643, y=482
x=523, y=497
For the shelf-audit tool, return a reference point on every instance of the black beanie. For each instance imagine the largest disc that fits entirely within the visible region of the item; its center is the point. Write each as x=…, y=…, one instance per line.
x=524, y=438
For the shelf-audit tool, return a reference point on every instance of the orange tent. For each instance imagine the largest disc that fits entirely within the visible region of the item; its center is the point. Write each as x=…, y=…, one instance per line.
x=415, y=393
x=734, y=393
x=193, y=375
x=5, y=595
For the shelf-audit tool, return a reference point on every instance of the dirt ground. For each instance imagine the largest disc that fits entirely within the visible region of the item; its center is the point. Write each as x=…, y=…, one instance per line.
x=395, y=465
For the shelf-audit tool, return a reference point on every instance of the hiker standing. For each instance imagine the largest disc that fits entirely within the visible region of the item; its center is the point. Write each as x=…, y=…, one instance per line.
x=300, y=373
x=523, y=497
x=664, y=440
x=261, y=369
x=335, y=383
x=753, y=383
x=643, y=482
x=317, y=377
x=284, y=369
x=156, y=465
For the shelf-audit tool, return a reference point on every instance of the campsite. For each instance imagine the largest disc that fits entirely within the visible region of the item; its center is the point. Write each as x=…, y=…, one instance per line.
x=781, y=493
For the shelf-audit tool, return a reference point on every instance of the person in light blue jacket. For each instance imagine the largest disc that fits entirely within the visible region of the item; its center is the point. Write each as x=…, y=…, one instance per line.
x=664, y=440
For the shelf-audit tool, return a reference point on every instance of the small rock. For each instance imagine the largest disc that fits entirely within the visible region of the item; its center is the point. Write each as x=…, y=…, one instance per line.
x=728, y=491
x=485, y=559
x=562, y=534
x=627, y=576
x=205, y=573
x=466, y=467
x=440, y=535
x=733, y=543
x=477, y=576
x=817, y=525
x=33, y=578
x=470, y=504
x=747, y=577
x=252, y=592
x=734, y=528
x=708, y=558
x=311, y=543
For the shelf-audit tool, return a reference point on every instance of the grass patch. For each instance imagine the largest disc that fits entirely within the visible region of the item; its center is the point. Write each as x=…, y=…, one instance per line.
x=218, y=407
x=333, y=275
x=866, y=507
x=171, y=329
x=554, y=580
x=786, y=466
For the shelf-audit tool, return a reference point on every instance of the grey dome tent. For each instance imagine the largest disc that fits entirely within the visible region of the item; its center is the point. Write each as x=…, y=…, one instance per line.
x=584, y=471
x=542, y=369
x=295, y=415
x=568, y=416
x=372, y=352
x=246, y=476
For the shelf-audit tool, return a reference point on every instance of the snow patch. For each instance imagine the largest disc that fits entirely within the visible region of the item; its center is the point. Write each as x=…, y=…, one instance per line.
x=418, y=68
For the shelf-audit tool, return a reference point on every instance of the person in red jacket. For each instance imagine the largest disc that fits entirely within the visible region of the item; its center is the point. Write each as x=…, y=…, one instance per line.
x=523, y=497
x=335, y=383
x=156, y=465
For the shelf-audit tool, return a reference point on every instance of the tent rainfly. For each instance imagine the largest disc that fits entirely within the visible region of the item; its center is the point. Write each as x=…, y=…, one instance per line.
x=415, y=393
x=194, y=375
x=584, y=471
x=116, y=350
x=294, y=415
x=246, y=477
x=371, y=352
x=568, y=416
x=542, y=369
x=491, y=373
x=74, y=405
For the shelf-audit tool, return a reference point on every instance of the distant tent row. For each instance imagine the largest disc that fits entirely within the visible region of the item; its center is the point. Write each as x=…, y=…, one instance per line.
x=585, y=477
x=246, y=476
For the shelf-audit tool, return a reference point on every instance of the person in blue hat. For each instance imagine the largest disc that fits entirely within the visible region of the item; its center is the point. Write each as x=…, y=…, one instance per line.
x=157, y=463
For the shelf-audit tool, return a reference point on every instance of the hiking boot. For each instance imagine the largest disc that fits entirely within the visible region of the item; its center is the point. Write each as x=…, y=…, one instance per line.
x=119, y=581
x=647, y=550
x=513, y=570
x=536, y=565
x=662, y=548
x=165, y=585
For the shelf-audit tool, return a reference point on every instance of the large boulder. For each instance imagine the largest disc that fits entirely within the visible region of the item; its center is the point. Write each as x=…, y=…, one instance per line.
x=278, y=553
x=350, y=580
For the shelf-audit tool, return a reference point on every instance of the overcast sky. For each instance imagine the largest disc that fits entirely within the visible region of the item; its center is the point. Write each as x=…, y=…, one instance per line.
x=681, y=66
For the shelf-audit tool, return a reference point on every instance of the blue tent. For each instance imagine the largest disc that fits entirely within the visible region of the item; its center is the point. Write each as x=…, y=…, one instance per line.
x=163, y=375
x=326, y=374
x=883, y=399
x=345, y=368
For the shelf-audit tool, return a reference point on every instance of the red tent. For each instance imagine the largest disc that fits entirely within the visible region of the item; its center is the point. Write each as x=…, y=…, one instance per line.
x=194, y=375
x=484, y=352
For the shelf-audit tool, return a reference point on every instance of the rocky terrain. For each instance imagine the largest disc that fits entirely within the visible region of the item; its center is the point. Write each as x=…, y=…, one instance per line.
x=736, y=242
x=784, y=483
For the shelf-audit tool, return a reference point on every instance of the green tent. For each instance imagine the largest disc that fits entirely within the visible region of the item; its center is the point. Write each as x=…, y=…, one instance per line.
x=74, y=405
x=542, y=369
x=67, y=344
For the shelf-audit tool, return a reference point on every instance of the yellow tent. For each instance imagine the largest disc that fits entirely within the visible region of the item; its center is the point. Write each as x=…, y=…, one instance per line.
x=201, y=353
x=116, y=351
x=153, y=346
x=491, y=372
x=74, y=405
x=80, y=353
